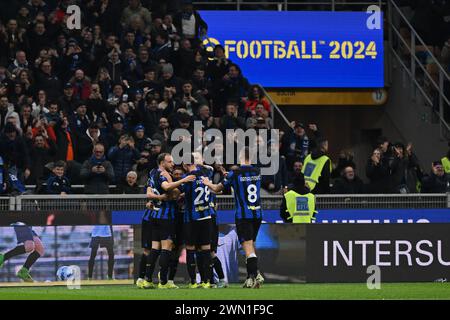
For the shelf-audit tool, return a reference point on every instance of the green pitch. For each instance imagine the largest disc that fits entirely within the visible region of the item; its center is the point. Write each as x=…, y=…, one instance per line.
x=268, y=292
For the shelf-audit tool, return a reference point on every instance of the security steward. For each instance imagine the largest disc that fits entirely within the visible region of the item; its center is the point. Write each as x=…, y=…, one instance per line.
x=317, y=168
x=446, y=162
x=298, y=204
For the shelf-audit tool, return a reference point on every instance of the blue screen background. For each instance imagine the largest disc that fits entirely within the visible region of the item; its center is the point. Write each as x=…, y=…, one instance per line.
x=308, y=26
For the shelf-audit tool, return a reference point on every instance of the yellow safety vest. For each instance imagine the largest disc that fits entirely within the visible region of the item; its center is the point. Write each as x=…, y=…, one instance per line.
x=301, y=207
x=312, y=170
x=446, y=163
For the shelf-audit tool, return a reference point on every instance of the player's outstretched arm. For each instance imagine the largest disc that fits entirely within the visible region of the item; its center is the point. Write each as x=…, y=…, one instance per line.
x=168, y=186
x=216, y=188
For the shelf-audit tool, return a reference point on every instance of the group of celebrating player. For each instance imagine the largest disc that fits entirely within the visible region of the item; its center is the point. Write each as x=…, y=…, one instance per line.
x=182, y=211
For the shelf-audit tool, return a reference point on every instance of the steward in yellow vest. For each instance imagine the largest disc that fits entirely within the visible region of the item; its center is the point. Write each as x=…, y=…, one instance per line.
x=446, y=163
x=298, y=204
x=317, y=169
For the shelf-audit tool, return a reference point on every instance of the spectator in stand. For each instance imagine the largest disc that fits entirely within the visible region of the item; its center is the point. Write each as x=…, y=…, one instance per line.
x=163, y=133
x=189, y=23
x=123, y=156
x=135, y=8
x=81, y=85
x=26, y=119
x=47, y=81
x=42, y=153
x=404, y=169
x=170, y=81
x=97, y=172
x=53, y=115
x=218, y=67
x=345, y=160
x=14, y=152
x=140, y=138
x=150, y=115
x=233, y=87
x=62, y=137
x=231, y=119
x=191, y=101
x=204, y=115
x=79, y=122
x=58, y=183
x=96, y=105
x=155, y=151
x=85, y=142
x=6, y=111
x=130, y=185
x=114, y=66
x=348, y=183
x=437, y=181
x=377, y=171
x=256, y=97
x=296, y=145
x=20, y=62
x=68, y=102
x=144, y=164
x=116, y=131
x=295, y=171
x=276, y=183
x=150, y=84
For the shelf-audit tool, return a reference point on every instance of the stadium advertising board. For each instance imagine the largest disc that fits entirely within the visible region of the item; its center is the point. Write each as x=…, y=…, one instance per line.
x=376, y=216
x=302, y=49
x=404, y=253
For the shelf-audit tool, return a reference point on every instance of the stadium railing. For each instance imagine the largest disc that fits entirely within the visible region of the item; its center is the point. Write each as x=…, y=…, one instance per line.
x=284, y=5
x=404, y=52
x=73, y=203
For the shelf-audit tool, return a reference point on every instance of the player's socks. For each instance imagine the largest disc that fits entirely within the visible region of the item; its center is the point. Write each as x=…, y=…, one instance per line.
x=217, y=265
x=32, y=258
x=142, y=265
x=164, y=261
x=200, y=265
x=252, y=266
x=15, y=252
x=191, y=264
x=206, y=265
x=173, y=265
x=151, y=263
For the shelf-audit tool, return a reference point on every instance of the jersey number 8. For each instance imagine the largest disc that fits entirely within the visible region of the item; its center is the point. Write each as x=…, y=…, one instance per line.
x=252, y=193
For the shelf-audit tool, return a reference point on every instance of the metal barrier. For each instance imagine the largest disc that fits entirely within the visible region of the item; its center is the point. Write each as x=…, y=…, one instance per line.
x=74, y=203
x=285, y=5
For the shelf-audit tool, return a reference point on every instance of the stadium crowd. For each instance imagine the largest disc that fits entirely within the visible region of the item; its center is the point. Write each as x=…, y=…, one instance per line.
x=96, y=106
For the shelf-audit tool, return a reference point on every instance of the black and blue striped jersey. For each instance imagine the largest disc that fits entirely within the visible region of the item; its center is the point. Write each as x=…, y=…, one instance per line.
x=197, y=197
x=246, y=184
x=162, y=209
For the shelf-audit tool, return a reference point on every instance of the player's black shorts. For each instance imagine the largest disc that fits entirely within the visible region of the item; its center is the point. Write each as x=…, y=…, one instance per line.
x=247, y=229
x=24, y=233
x=197, y=233
x=102, y=242
x=163, y=229
x=178, y=231
x=146, y=235
x=214, y=233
